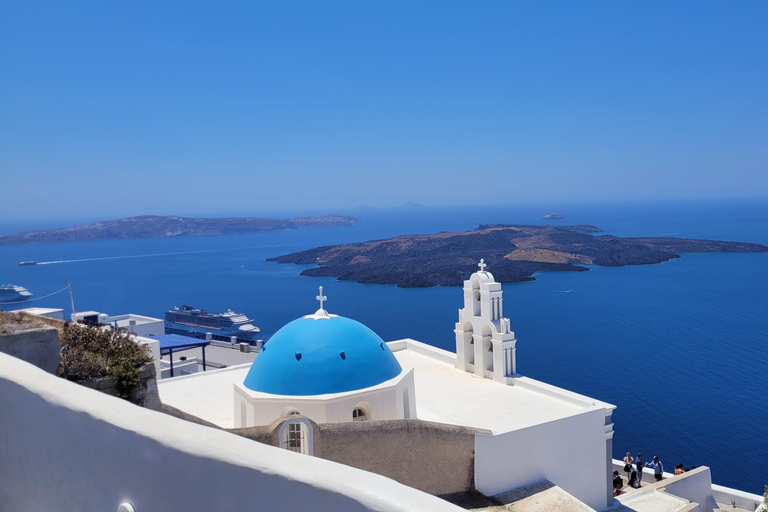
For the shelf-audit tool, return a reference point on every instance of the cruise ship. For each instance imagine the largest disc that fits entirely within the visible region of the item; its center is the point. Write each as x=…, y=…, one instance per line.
x=196, y=323
x=13, y=293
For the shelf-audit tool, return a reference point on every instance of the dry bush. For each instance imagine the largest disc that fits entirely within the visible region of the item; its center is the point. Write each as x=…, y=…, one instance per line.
x=90, y=353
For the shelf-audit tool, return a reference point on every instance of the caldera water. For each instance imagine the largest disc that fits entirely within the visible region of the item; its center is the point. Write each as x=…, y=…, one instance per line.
x=681, y=348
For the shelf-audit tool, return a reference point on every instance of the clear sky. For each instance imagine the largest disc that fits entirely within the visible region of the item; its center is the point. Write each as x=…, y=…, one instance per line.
x=124, y=108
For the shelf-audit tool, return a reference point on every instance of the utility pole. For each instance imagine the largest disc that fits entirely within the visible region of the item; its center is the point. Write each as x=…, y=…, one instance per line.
x=71, y=299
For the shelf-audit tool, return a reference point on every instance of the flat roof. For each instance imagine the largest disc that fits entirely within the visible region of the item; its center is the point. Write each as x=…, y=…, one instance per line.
x=208, y=395
x=37, y=311
x=124, y=320
x=443, y=394
x=447, y=395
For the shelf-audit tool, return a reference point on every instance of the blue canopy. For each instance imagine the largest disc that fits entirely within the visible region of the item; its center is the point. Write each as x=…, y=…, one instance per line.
x=175, y=342
x=170, y=343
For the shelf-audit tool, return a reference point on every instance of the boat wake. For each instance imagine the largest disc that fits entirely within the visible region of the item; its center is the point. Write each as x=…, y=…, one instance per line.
x=142, y=256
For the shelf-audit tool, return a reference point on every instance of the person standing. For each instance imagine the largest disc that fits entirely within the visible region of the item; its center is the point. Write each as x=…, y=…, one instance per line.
x=658, y=468
x=639, y=466
x=629, y=461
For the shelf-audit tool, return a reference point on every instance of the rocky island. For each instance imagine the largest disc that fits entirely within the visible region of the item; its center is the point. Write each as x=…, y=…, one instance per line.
x=513, y=253
x=154, y=226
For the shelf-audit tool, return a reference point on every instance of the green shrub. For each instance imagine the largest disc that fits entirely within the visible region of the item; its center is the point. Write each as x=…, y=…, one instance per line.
x=90, y=353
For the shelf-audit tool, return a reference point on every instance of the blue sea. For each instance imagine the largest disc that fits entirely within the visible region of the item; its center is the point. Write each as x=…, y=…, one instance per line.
x=681, y=348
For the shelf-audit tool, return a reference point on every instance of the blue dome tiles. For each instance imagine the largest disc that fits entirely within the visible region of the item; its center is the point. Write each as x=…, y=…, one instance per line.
x=320, y=355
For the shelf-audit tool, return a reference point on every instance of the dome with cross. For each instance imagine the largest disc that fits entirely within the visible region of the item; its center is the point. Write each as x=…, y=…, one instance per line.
x=320, y=354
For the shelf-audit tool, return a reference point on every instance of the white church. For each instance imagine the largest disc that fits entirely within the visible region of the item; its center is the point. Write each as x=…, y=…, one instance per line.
x=326, y=369
x=329, y=417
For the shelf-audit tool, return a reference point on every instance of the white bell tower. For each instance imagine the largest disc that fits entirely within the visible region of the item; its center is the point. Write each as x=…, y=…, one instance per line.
x=484, y=344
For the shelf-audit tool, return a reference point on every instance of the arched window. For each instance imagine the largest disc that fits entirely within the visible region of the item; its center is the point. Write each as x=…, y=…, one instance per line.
x=289, y=411
x=361, y=412
x=296, y=436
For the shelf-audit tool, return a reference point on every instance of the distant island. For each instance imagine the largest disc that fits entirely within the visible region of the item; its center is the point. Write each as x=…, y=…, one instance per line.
x=405, y=205
x=153, y=226
x=553, y=216
x=513, y=252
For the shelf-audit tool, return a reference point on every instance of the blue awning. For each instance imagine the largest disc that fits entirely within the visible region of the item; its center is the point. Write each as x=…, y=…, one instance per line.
x=176, y=342
x=170, y=343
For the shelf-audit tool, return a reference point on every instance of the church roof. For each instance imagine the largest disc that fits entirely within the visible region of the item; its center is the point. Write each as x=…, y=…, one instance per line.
x=319, y=354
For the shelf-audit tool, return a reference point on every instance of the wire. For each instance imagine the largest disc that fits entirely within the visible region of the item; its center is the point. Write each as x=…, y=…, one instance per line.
x=31, y=300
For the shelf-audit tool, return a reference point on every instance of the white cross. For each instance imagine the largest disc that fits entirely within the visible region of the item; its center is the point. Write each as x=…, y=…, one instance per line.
x=321, y=298
x=482, y=265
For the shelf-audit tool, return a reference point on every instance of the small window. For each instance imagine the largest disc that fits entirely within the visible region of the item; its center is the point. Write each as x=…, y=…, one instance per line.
x=296, y=435
x=289, y=411
x=294, y=439
x=359, y=414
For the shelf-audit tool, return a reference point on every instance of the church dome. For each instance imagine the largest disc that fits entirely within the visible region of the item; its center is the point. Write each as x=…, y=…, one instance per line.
x=319, y=354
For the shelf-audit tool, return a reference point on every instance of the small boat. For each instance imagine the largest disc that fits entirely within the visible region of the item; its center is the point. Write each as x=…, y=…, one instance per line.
x=13, y=293
x=26, y=263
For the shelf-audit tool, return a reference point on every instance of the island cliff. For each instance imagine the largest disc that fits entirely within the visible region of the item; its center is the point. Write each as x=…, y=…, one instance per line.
x=513, y=253
x=154, y=226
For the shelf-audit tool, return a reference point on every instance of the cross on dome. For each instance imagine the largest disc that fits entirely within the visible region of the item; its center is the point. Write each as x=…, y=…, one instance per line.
x=482, y=266
x=321, y=298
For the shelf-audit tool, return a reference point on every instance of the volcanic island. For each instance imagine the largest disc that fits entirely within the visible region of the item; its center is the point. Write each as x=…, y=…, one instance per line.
x=155, y=226
x=513, y=252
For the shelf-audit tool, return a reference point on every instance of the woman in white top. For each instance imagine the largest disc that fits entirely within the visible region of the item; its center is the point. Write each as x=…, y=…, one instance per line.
x=628, y=461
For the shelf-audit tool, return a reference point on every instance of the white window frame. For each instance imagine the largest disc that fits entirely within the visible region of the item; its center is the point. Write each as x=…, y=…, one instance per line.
x=307, y=446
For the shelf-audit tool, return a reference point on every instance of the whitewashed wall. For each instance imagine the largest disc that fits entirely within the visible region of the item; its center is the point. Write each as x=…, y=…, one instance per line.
x=384, y=402
x=65, y=447
x=694, y=486
x=569, y=452
x=154, y=349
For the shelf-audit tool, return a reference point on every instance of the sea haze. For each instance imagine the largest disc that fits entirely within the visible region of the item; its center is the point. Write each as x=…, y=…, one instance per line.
x=681, y=348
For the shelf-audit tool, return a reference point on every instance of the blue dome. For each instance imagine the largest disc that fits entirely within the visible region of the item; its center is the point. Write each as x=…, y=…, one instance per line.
x=315, y=355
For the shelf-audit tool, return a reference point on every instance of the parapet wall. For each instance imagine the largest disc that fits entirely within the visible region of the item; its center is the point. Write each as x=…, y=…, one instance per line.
x=53, y=322
x=725, y=495
x=433, y=457
x=37, y=344
x=66, y=447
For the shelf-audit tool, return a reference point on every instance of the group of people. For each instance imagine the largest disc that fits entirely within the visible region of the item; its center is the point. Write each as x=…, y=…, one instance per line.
x=633, y=467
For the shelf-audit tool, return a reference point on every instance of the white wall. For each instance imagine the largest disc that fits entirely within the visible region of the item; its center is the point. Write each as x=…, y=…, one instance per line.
x=145, y=325
x=65, y=447
x=569, y=452
x=385, y=402
x=154, y=349
x=745, y=500
x=694, y=486
x=55, y=313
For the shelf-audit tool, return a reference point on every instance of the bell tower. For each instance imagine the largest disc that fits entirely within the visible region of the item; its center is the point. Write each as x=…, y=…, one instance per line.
x=485, y=345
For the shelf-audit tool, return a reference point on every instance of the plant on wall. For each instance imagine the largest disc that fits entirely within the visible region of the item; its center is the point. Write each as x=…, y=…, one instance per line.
x=90, y=353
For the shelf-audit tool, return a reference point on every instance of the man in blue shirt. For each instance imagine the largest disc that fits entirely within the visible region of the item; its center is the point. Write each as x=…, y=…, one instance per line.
x=639, y=466
x=658, y=467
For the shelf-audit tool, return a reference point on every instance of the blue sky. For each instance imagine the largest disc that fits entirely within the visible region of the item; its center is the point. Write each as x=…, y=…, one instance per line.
x=123, y=108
